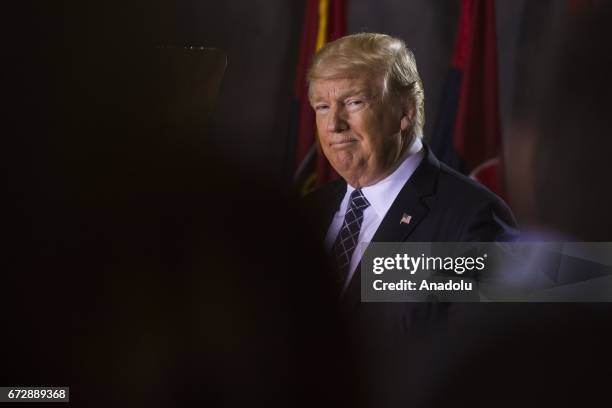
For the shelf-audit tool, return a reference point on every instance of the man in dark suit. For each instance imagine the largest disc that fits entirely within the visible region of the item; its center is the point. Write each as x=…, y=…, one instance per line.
x=369, y=106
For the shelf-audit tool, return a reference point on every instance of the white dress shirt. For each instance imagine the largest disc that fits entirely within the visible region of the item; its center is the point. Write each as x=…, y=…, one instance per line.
x=380, y=196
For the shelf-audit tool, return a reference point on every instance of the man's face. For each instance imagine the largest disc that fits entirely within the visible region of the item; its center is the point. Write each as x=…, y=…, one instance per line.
x=359, y=132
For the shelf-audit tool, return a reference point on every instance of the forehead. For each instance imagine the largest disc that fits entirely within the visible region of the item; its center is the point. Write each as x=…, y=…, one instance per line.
x=342, y=87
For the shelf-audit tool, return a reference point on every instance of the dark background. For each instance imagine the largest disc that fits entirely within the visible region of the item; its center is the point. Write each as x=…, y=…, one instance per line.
x=131, y=272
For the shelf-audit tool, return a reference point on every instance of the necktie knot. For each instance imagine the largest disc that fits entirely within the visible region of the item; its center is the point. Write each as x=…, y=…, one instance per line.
x=358, y=200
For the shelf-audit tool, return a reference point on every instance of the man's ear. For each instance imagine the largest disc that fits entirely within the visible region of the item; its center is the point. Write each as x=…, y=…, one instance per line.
x=408, y=113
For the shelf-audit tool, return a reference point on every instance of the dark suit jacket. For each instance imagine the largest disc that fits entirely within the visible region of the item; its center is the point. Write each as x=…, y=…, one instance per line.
x=445, y=207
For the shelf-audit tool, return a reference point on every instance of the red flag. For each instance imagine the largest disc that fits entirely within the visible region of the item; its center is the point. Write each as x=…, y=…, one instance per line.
x=324, y=20
x=467, y=134
x=477, y=135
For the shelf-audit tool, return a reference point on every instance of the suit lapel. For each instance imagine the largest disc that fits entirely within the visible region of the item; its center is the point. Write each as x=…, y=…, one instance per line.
x=330, y=206
x=410, y=201
x=409, y=207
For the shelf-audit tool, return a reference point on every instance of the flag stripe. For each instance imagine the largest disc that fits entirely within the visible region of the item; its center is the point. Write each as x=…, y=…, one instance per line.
x=322, y=32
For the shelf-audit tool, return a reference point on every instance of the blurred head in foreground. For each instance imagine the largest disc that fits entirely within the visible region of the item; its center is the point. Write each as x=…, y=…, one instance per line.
x=558, y=154
x=547, y=353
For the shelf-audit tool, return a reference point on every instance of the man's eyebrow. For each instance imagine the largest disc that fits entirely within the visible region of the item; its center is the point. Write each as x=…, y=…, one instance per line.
x=343, y=95
x=354, y=92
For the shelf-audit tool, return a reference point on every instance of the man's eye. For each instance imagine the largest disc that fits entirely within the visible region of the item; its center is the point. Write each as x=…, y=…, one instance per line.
x=353, y=103
x=321, y=108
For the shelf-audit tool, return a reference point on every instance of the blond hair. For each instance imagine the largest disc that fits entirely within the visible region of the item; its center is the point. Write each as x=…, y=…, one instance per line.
x=375, y=55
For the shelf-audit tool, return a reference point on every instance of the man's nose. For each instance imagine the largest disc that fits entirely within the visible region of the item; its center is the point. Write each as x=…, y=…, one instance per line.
x=336, y=120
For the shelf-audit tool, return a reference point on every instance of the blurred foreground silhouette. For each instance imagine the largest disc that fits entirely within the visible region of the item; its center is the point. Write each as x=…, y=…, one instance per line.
x=143, y=268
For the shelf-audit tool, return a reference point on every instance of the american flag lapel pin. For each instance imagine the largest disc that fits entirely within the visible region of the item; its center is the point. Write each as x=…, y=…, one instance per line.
x=405, y=219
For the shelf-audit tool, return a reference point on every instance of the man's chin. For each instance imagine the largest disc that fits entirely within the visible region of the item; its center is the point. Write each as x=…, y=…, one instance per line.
x=349, y=175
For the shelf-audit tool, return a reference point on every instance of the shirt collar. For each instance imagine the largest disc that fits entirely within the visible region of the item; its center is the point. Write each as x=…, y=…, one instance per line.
x=382, y=194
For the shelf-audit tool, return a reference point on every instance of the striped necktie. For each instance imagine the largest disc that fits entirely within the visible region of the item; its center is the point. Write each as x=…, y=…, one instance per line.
x=347, y=239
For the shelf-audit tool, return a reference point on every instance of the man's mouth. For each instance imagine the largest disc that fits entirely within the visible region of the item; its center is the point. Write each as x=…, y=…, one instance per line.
x=343, y=143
